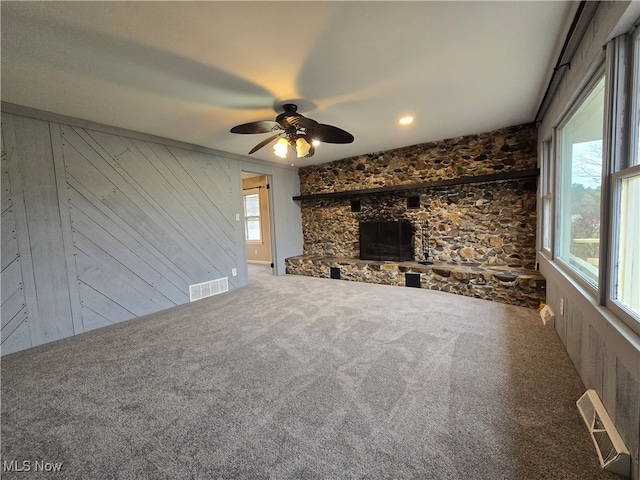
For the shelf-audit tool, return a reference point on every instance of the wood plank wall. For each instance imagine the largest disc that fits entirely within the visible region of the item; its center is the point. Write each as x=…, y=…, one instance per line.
x=98, y=228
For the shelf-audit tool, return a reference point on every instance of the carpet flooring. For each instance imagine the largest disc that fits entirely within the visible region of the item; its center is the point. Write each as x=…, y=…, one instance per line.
x=302, y=378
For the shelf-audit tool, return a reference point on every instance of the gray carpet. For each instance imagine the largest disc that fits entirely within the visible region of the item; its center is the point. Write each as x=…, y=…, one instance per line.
x=303, y=378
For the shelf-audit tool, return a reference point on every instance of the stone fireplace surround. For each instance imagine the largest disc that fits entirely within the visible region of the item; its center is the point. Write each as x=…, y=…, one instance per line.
x=481, y=236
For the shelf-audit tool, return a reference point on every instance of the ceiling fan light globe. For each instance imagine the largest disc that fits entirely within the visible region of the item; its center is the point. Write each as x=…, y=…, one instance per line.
x=302, y=147
x=280, y=148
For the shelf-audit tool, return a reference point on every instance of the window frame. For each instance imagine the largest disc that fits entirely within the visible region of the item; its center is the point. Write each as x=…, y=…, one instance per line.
x=547, y=194
x=619, y=308
x=628, y=168
x=634, y=142
x=591, y=286
x=245, y=194
x=619, y=63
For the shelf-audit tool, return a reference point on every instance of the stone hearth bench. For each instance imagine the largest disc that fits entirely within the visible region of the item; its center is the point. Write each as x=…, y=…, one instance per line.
x=513, y=286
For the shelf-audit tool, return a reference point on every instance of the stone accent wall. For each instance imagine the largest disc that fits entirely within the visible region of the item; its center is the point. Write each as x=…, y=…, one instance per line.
x=512, y=148
x=488, y=223
x=525, y=288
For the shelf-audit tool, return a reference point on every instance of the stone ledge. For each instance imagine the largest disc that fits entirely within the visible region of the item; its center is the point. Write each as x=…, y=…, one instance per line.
x=514, y=286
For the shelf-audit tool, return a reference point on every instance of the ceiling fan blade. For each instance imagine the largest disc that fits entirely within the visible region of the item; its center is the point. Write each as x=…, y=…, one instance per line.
x=264, y=142
x=330, y=134
x=299, y=121
x=264, y=126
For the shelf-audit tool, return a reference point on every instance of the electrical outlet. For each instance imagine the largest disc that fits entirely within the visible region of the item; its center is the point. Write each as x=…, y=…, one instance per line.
x=234, y=272
x=562, y=307
x=255, y=252
x=237, y=217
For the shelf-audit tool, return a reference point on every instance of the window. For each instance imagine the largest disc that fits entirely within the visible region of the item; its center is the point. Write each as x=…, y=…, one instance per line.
x=580, y=185
x=627, y=267
x=590, y=173
x=252, y=226
x=625, y=281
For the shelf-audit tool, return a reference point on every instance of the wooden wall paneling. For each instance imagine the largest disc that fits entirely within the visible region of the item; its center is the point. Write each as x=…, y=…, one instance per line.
x=627, y=418
x=23, y=274
x=17, y=339
x=34, y=165
x=112, y=247
x=121, y=273
x=113, y=282
x=88, y=178
x=92, y=320
x=9, y=245
x=65, y=222
x=574, y=337
x=87, y=204
x=207, y=211
x=154, y=234
x=185, y=166
x=163, y=239
x=215, y=179
x=137, y=209
x=211, y=172
x=11, y=280
x=14, y=310
x=12, y=302
x=5, y=202
x=14, y=313
x=14, y=333
x=165, y=196
x=103, y=305
x=597, y=352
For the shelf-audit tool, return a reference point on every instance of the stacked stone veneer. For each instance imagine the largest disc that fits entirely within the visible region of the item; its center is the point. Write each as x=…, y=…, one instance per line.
x=513, y=286
x=512, y=148
x=486, y=224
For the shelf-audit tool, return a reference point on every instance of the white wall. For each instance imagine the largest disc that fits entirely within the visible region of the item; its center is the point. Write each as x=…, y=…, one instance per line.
x=605, y=352
x=101, y=225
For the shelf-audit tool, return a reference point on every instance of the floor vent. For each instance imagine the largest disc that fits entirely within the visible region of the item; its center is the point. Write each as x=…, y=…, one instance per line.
x=207, y=289
x=547, y=315
x=612, y=452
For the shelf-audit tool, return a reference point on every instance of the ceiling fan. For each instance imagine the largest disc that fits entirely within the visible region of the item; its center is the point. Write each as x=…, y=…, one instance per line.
x=294, y=130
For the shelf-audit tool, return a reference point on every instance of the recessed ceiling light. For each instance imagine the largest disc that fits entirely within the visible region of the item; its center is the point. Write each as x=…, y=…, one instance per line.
x=408, y=120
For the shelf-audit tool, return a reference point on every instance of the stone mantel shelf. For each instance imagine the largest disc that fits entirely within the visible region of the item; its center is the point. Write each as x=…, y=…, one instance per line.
x=493, y=177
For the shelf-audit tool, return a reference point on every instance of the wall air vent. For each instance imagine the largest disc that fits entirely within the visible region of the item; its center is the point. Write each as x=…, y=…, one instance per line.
x=612, y=453
x=208, y=289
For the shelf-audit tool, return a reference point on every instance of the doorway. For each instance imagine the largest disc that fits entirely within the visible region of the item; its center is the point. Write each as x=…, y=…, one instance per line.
x=259, y=240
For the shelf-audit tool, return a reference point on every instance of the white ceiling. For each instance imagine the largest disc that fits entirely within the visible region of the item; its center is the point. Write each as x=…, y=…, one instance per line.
x=190, y=71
